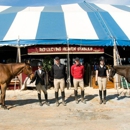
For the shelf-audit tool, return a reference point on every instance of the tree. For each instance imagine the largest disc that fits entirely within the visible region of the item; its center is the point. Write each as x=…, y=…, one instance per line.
x=47, y=64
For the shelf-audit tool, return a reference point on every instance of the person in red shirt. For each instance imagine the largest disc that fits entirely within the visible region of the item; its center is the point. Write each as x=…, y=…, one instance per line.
x=77, y=71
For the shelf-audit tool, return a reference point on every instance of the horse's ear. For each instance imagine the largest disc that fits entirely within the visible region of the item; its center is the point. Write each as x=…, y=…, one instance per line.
x=27, y=62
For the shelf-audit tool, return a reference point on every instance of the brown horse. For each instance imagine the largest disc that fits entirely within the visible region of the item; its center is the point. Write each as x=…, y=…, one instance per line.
x=121, y=70
x=9, y=71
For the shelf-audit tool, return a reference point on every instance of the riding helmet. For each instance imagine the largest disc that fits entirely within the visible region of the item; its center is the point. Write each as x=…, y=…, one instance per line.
x=39, y=64
x=101, y=58
x=57, y=58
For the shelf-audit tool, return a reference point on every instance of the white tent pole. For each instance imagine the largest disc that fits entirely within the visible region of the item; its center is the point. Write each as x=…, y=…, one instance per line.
x=19, y=59
x=68, y=64
x=19, y=54
x=19, y=50
x=115, y=63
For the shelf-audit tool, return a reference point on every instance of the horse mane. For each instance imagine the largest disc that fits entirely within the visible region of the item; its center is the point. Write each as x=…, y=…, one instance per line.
x=26, y=62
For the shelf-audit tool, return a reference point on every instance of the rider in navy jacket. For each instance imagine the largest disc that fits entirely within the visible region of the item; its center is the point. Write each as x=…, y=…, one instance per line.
x=39, y=76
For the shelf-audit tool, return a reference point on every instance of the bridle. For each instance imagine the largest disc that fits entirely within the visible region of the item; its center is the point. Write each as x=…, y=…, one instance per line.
x=27, y=75
x=113, y=71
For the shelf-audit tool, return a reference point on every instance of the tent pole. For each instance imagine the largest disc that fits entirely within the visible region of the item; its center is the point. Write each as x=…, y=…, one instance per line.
x=68, y=66
x=114, y=61
x=19, y=54
x=19, y=60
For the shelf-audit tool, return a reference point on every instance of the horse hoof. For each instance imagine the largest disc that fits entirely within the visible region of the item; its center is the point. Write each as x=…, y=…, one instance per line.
x=4, y=107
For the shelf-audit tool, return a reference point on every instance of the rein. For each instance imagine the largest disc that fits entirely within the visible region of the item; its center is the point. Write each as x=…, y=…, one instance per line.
x=13, y=73
x=20, y=72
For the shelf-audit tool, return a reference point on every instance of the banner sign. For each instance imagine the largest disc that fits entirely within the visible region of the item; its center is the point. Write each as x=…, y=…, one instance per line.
x=65, y=50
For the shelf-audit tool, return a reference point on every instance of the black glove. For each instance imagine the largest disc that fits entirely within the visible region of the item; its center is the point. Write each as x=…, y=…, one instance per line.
x=96, y=83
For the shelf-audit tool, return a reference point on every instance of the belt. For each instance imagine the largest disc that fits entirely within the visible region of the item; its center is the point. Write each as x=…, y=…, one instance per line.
x=60, y=78
x=102, y=76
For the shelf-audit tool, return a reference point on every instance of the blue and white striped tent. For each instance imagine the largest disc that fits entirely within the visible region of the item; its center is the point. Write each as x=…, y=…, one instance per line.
x=77, y=24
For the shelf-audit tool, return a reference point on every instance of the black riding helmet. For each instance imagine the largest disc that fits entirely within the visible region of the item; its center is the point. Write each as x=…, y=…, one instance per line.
x=101, y=58
x=39, y=64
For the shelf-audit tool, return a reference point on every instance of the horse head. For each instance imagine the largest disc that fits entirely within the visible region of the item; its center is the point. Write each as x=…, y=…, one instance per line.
x=112, y=72
x=28, y=70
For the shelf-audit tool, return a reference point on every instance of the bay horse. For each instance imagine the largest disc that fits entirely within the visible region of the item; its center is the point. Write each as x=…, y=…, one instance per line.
x=8, y=72
x=122, y=70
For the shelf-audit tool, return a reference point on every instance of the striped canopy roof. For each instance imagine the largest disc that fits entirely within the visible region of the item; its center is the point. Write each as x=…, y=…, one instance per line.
x=77, y=24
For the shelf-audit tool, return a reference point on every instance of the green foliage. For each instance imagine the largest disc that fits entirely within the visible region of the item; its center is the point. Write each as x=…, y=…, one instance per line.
x=47, y=63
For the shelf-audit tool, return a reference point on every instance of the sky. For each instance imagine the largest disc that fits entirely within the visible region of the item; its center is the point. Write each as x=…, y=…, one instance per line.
x=58, y=2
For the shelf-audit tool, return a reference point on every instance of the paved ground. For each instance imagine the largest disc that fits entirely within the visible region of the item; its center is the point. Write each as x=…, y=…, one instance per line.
x=25, y=114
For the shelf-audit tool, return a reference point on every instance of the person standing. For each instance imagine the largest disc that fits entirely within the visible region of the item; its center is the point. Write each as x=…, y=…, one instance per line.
x=77, y=71
x=58, y=72
x=101, y=79
x=39, y=76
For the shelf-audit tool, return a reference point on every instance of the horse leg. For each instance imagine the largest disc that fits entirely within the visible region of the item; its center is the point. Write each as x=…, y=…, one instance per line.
x=3, y=94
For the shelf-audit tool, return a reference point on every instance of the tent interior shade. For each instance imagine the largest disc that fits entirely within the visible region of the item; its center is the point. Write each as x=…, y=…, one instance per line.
x=83, y=23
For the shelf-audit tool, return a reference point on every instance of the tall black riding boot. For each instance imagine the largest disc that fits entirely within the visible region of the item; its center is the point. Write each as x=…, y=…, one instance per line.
x=63, y=98
x=82, y=97
x=56, y=97
x=104, y=94
x=46, y=99
x=76, y=96
x=39, y=97
x=100, y=95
